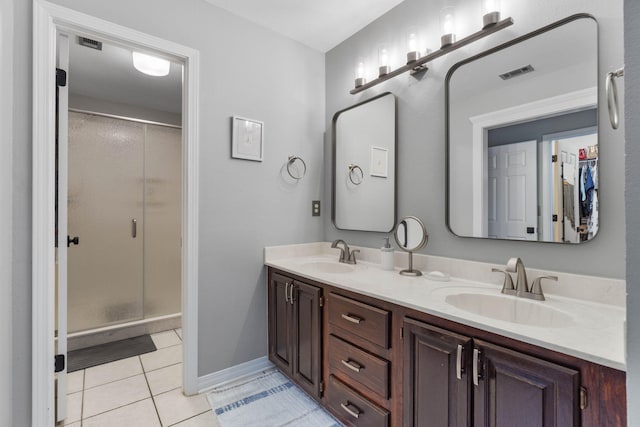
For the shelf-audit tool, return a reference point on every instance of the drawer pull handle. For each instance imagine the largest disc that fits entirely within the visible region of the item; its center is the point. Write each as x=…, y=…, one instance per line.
x=351, y=318
x=355, y=412
x=354, y=366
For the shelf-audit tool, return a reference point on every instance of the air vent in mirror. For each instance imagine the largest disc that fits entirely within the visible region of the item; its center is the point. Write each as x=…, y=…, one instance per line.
x=517, y=72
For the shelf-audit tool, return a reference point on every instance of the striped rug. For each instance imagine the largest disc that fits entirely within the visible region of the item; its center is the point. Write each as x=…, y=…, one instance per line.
x=267, y=400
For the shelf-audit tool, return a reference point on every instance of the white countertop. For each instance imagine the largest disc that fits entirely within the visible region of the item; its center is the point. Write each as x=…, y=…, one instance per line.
x=596, y=332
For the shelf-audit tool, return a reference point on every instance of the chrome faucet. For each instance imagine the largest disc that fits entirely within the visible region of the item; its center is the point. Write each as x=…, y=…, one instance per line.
x=515, y=265
x=346, y=256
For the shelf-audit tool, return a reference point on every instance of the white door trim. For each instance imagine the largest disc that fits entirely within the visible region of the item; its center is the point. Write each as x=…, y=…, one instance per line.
x=530, y=111
x=47, y=18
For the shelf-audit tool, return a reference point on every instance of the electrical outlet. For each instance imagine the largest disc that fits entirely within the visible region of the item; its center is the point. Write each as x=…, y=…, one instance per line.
x=315, y=208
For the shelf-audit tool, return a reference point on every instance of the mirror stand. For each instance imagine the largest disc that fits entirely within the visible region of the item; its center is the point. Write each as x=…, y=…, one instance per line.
x=411, y=235
x=410, y=271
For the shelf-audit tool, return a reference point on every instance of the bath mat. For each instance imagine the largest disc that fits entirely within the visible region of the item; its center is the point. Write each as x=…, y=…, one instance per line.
x=267, y=400
x=109, y=352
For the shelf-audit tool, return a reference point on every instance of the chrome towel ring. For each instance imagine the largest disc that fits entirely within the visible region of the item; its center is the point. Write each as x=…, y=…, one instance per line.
x=612, y=96
x=293, y=169
x=356, y=176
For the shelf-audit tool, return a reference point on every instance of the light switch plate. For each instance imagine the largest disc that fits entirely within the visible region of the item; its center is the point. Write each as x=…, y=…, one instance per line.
x=315, y=208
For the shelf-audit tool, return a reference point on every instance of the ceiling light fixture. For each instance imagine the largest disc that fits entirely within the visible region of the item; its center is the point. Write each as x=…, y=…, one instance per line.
x=151, y=65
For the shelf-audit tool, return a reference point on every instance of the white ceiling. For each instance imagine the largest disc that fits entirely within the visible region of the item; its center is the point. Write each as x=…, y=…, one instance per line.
x=109, y=75
x=320, y=24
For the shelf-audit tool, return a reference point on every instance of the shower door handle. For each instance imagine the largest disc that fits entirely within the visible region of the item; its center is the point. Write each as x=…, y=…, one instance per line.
x=134, y=228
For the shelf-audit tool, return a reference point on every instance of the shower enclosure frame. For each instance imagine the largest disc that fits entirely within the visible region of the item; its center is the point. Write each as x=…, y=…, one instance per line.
x=49, y=18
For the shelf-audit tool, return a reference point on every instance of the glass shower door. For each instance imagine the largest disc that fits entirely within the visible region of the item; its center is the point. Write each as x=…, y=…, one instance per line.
x=162, y=220
x=106, y=213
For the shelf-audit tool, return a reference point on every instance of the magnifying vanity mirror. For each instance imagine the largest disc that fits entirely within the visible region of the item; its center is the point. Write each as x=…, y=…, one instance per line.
x=411, y=235
x=522, y=137
x=364, y=165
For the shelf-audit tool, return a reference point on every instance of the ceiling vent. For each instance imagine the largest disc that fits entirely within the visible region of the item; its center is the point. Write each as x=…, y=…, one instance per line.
x=87, y=42
x=517, y=72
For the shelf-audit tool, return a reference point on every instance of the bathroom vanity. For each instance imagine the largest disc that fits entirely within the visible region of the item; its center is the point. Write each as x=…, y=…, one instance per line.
x=379, y=349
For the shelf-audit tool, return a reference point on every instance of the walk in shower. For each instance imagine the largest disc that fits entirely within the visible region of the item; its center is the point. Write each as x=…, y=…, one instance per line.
x=124, y=206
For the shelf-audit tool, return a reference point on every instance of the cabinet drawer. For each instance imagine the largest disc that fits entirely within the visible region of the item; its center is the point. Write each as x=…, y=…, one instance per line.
x=352, y=408
x=359, y=366
x=366, y=321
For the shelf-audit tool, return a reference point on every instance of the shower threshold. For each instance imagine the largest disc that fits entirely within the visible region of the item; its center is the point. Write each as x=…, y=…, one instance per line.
x=92, y=337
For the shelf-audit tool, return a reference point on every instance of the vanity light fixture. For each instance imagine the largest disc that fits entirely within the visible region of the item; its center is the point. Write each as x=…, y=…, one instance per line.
x=490, y=12
x=420, y=64
x=383, y=61
x=150, y=65
x=448, y=26
x=413, y=52
x=360, y=79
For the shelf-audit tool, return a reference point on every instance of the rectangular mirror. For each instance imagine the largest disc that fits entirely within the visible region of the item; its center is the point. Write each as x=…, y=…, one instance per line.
x=364, y=165
x=522, y=137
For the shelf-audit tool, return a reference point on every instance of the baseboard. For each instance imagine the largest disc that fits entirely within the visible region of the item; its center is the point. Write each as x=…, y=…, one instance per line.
x=216, y=379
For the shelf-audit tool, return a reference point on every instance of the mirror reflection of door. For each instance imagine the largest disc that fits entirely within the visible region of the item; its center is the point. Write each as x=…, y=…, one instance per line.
x=513, y=191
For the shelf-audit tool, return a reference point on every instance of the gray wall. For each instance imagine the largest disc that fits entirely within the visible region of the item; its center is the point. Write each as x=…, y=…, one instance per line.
x=6, y=147
x=244, y=206
x=632, y=113
x=421, y=133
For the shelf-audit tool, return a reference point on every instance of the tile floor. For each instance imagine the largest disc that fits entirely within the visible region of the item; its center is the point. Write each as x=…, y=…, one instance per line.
x=141, y=391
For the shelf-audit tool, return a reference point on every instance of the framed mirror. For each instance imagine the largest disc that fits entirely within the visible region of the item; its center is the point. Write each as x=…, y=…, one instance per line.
x=364, y=165
x=522, y=137
x=411, y=235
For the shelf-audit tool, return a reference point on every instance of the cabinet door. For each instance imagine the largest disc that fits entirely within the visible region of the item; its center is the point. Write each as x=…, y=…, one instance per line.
x=436, y=377
x=280, y=323
x=307, y=335
x=519, y=390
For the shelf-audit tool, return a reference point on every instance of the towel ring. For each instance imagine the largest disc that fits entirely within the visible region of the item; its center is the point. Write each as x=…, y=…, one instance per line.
x=612, y=96
x=352, y=173
x=291, y=161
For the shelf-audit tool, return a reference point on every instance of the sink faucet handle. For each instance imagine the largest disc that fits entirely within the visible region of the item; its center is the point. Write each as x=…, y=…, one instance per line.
x=352, y=256
x=536, y=287
x=507, y=285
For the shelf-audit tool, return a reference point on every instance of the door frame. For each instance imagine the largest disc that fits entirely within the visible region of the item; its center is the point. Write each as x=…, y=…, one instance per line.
x=47, y=19
x=584, y=98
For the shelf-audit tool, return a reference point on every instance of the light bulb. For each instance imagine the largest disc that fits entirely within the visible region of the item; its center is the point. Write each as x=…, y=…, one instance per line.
x=448, y=26
x=360, y=71
x=490, y=12
x=383, y=61
x=413, y=52
x=150, y=65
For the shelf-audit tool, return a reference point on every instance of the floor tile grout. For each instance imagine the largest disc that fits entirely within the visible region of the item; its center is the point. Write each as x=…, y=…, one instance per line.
x=144, y=372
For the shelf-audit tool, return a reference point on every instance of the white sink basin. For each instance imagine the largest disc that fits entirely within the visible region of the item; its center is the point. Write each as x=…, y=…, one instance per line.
x=328, y=267
x=510, y=309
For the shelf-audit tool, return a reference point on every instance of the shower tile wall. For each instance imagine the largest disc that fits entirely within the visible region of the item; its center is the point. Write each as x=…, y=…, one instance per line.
x=122, y=175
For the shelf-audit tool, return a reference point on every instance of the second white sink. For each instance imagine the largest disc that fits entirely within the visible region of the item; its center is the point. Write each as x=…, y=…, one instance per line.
x=510, y=309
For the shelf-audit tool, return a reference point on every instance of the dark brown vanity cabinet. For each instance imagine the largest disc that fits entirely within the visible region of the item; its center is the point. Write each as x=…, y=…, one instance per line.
x=436, y=381
x=515, y=389
x=295, y=331
x=358, y=352
x=454, y=380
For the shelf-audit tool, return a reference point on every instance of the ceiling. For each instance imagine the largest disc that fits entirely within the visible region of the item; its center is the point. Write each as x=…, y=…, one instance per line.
x=109, y=74
x=319, y=24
